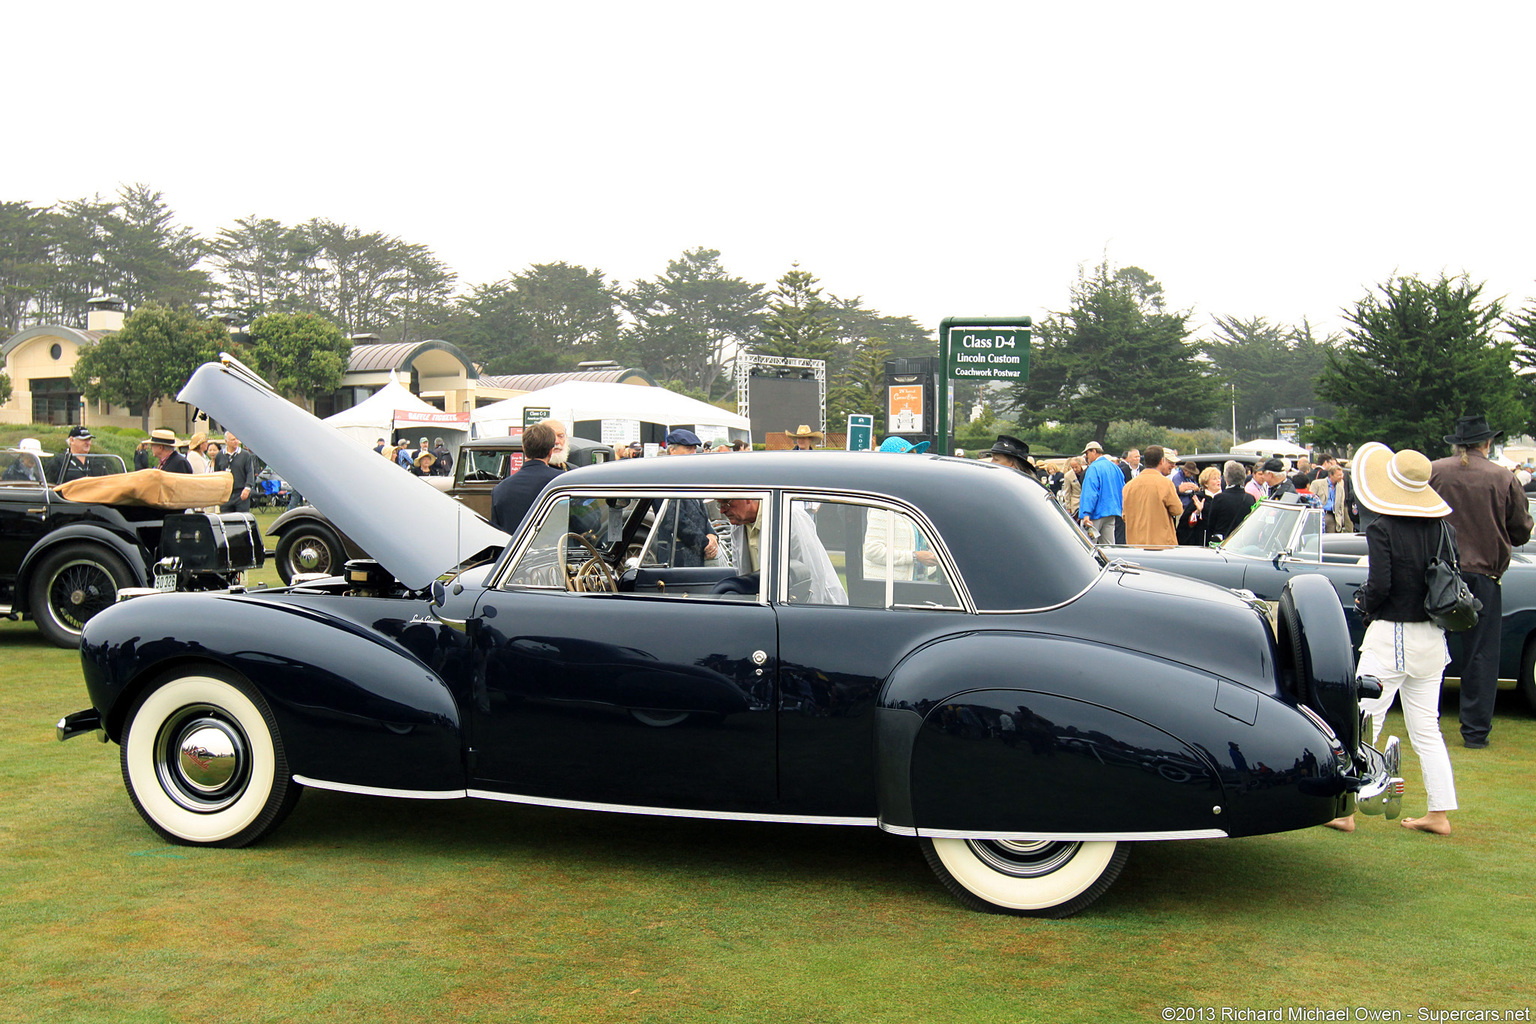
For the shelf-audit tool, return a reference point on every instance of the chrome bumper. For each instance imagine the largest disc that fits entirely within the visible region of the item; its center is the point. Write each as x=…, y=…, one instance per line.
x=1381, y=788
x=80, y=723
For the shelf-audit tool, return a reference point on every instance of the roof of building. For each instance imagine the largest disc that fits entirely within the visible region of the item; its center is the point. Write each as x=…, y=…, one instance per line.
x=399, y=356
x=539, y=381
x=50, y=331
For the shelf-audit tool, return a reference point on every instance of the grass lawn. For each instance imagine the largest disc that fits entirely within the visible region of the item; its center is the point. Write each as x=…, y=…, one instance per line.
x=368, y=909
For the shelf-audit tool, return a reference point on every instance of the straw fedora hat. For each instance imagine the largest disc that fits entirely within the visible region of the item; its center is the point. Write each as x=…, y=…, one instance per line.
x=1396, y=484
x=165, y=436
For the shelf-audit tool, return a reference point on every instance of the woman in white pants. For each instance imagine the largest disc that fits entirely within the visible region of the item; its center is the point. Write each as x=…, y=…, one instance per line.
x=1402, y=647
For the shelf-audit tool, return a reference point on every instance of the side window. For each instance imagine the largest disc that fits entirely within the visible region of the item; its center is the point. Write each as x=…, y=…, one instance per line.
x=811, y=576
x=881, y=556
x=682, y=532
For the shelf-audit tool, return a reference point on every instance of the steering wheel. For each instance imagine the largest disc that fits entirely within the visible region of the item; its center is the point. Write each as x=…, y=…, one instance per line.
x=593, y=575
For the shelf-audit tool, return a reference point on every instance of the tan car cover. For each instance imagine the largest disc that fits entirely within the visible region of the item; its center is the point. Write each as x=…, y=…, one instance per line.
x=153, y=487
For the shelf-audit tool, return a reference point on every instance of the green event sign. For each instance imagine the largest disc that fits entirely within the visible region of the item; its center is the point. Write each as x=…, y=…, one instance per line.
x=533, y=414
x=987, y=353
x=980, y=349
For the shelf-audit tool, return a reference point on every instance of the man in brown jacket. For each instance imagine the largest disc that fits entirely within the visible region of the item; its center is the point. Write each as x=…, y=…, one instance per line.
x=1489, y=512
x=1152, y=504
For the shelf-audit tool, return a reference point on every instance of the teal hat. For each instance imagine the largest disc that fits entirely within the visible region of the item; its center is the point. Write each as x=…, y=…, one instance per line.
x=900, y=446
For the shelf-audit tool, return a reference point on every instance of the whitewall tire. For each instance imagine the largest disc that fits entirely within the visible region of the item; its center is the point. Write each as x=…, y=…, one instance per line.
x=203, y=761
x=1040, y=879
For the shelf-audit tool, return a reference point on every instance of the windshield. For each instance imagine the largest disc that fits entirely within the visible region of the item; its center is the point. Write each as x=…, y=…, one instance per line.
x=485, y=465
x=1271, y=528
x=20, y=467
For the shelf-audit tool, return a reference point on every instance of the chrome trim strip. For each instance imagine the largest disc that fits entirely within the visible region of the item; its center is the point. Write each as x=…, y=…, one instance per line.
x=1050, y=607
x=1078, y=837
x=898, y=830
x=408, y=794
x=670, y=812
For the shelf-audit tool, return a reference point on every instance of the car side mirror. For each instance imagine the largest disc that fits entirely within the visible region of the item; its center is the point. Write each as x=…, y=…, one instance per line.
x=439, y=594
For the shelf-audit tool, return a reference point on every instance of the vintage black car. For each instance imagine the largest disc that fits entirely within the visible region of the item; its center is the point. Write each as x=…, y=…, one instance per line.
x=308, y=542
x=64, y=560
x=920, y=644
x=1282, y=540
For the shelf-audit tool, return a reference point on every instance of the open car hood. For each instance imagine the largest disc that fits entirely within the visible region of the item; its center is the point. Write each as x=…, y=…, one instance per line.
x=414, y=530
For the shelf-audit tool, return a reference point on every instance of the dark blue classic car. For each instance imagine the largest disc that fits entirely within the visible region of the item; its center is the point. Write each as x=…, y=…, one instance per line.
x=924, y=645
x=1280, y=541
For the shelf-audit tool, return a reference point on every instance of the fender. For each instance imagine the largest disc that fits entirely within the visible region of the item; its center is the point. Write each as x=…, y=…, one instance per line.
x=308, y=513
x=1093, y=741
x=135, y=555
x=356, y=705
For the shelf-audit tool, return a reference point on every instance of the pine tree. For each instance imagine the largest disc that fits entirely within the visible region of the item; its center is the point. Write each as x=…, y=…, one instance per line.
x=1417, y=356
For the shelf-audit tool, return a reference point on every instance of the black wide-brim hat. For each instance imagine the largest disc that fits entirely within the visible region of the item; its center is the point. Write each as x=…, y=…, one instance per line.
x=1473, y=430
x=1012, y=446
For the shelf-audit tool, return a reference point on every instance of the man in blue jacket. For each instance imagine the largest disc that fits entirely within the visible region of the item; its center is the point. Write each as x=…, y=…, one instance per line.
x=1100, y=508
x=513, y=497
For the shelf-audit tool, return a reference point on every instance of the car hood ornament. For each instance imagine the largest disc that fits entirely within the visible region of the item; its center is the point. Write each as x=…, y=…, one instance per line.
x=414, y=530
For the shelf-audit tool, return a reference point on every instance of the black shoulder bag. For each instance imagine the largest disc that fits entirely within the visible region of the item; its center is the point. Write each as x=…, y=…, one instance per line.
x=1449, y=603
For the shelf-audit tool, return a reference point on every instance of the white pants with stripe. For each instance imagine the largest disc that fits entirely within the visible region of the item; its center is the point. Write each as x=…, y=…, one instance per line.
x=1409, y=658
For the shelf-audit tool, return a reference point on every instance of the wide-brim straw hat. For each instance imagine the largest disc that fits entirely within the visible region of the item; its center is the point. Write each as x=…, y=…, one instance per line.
x=1396, y=483
x=165, y=436
x=196, y=439
x=426, y=457
x=806, y=431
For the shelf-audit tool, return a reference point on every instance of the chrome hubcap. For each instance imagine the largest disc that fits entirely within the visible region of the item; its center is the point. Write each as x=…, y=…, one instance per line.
x=310, y=555
x=202, y=759
x=1023, y=858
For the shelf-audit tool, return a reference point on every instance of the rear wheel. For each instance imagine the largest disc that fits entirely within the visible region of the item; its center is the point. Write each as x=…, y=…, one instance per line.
x=203, y=761
x=309, y=548
x=1035, y=878
x=1526, y=684
x=71, y=584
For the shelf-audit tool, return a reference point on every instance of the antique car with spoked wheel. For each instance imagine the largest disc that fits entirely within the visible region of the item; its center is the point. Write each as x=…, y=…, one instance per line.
x=68, y=551
x=309, y=543
x=846, y=639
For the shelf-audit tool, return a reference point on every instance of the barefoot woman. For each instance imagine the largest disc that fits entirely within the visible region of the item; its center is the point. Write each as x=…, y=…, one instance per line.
x=1402, y=647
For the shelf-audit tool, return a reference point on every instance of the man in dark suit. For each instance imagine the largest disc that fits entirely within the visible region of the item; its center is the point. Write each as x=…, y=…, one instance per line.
x=514, y=496
x=242, y=464
x=162, y=450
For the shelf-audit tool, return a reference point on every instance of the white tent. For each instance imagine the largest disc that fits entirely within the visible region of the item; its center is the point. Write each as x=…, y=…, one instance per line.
x=1270, y=446
x=376, y=416
x=575, y=401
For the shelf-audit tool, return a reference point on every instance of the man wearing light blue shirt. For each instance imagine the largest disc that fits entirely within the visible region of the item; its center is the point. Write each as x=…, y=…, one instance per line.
x=1100, y=508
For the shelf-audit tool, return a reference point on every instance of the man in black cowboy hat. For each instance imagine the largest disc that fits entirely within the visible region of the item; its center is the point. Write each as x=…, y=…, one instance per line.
x=1489, y=513
x=1013, y=453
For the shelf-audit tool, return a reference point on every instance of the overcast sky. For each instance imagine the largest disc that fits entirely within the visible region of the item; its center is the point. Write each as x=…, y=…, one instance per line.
x=936, y=159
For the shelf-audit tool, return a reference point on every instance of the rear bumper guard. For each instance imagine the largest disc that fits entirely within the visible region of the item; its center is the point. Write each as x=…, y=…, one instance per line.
x=1381, y=787
x=80, y=723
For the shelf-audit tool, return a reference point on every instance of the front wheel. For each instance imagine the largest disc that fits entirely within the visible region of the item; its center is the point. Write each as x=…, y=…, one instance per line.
x=71, y=584
x=309, y=548
x=203, y=761
x=1044, y=878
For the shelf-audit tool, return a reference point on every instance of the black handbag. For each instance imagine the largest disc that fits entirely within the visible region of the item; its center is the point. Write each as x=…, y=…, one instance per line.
x=1449, y=603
